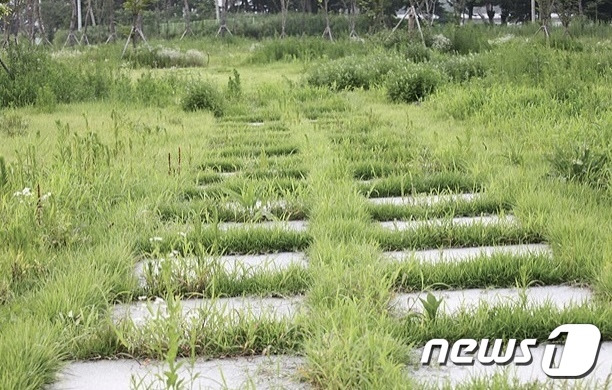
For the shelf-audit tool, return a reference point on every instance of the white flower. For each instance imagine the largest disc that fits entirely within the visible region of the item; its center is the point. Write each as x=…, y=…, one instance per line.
x=25, y=192
x=155, y=239
x=45, y=196
x=182, y=234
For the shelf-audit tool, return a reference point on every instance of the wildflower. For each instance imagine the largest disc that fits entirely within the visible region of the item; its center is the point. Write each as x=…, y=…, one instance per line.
x=45, y=196
x=155, y=239
x=182, y=234
x=25, y=192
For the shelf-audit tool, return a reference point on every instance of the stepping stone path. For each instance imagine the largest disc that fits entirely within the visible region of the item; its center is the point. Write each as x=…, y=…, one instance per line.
x=240, y=266
x=281, y=371
x=296, y=226
x=424, y=200
x=234, y=309
x=464, y=254
x=455, y=300
x=461, y=221
x=262, y=372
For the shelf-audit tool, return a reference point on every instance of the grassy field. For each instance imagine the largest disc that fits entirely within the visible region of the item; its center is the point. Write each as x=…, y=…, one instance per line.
x=92, y=183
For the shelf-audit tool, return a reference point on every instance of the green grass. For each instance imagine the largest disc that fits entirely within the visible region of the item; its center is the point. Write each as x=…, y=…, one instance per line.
x=209, y=279
x=532, y=134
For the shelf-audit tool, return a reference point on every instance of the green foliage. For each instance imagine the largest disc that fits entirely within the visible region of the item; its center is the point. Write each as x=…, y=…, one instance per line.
x=355, y=72
x=204, y=96
x=3, y=173
x=583, y=163
x=12, y=124
x=413, y=84
x=431, y=305
x=464, y=68
x=468, y=39
x=163, y=57
x=45, y=99
x=234, y=87
x=304, y=49
x=416, y=52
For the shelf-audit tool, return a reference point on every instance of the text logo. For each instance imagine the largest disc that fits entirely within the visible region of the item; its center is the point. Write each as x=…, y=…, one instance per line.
x=577, y=360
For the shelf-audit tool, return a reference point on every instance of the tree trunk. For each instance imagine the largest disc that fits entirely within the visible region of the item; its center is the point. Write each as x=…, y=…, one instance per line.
x=72, y=39
x=490, y=13
x=187, y=18
x=327, y=33
x=353, y=12
x=112, y=32
x=284, y=9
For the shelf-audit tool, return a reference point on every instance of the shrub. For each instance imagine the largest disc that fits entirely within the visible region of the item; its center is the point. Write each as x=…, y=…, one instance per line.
x=354, y=72
x=463, y=68
x=413, y=84
x=468, y=39
x=234, y=87
x=582, y=163
x=12, y=124
x=204, y=96
x=416, y=52
x=45, y=99
x=163, y=57
x=441, y=43
x=304, y=49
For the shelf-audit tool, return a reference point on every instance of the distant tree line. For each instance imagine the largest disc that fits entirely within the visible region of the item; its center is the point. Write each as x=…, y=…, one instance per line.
x=40, y=19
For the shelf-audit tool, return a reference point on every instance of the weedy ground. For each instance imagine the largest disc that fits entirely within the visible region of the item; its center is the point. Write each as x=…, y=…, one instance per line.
x=88, y=189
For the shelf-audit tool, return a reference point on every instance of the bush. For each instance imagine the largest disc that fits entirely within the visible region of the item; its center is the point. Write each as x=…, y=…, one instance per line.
x=304, y=49
x=463, y=68
x=413, y=84
x=204, y=96
x=468, y=39
x=163, y=57
x=234, y=86
x=441, y=43
x=12, y=124
x=416, y=52
x=354, y=72
x=583, y=164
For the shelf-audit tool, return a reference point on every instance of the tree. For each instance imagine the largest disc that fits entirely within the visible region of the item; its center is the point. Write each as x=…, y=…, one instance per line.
x=4, y=12
x=135, y=7
x=327, y=33
x=187, y=18
x=565, y=9
x=284, y=10
x=72, y=39
x=598, y=10
x=223, y=19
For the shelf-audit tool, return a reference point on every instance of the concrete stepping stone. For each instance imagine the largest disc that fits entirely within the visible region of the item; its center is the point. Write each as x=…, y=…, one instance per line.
x=455, y=300
x=240, y=266
x=438, y=376
x=259, y=205
x=227, y=175
x=297, y=226
x=461, y=221
x=260, y=372
x=464, y=254
x=233, y=309
x=424, y=200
